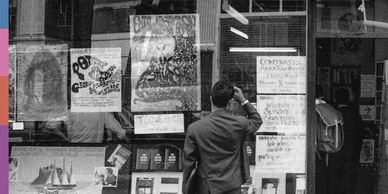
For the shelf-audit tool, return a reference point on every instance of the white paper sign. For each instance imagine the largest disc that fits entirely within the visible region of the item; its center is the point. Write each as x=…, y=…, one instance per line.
x=281, y=74
x=159, y=123
x=96, y=80
x=368, y=86
x=368, y=112
x=282, y=113
x=280, y=154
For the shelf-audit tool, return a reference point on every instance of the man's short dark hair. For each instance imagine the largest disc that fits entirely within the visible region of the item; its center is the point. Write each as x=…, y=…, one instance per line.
x=222, y=92
x=342, y=96
x=109, y=170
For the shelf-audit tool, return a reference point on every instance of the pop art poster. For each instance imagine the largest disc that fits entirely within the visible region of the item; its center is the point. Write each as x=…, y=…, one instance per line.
x=64, y=170
x=165, y=63
x=11, y=82
x=41, y=82
x=96, y=80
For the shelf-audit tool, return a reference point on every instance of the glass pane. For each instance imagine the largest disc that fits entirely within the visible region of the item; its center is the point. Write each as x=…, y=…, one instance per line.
x=265, y=6
x=294, y=5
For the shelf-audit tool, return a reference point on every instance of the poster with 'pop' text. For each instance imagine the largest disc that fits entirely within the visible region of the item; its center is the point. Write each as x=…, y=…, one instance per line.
x=281, y=74
x=96, y=80
x=282, y=113
x=165, y=63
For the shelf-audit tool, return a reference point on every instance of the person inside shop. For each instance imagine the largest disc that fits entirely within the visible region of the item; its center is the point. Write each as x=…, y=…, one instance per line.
x=342, y=166
x=213, y=144
x=89, y=127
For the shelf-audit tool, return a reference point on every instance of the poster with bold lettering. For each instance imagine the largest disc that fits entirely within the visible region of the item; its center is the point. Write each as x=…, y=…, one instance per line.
x=67, y=170
x=96, y=80
x=165, y=63
x=280, y=154
x=159, y=123
x=41, y=82
x=281, y=74
x=282, y=113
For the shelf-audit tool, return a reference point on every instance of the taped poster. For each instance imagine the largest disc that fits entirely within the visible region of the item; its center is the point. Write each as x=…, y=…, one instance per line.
x=159, y=123
x=66, y=170
x=96, y=80
x=280, y=154
x=282, y=113
x=165, y=63
x=281, y=74
x=41, y=82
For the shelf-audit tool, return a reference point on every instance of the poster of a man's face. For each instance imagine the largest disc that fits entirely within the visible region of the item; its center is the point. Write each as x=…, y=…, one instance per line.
x=106, y=176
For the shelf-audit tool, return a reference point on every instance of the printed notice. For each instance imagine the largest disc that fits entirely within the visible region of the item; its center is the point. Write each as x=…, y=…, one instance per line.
x=282, y=113
x=280, y=154
x=96, y=80
x=368, y=112
x=281, y=74
x=159, y=123
x=368, y=86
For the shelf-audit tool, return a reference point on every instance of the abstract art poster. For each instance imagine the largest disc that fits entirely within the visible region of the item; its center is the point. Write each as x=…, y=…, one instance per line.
x=96, y=80
x=67, y=170
x=11, y=82
x=41, y=82
x=282, y=113
x=165, y=63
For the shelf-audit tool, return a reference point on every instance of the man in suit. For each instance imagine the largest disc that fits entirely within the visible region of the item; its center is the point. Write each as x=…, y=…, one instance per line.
x=214, y=143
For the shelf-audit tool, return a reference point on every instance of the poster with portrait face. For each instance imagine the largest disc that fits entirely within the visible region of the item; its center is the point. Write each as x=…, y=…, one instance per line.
x=11, y=82
x=165, y=63
x=41, y=82
x=67, y=170
x=96, y=80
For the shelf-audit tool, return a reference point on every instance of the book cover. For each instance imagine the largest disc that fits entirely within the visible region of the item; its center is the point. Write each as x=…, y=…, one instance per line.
x=157, y=159
x=171, y=159
x=143, y=158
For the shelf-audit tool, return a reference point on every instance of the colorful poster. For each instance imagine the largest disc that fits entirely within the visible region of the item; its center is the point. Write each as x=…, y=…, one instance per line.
x=11, y=82
x=280, y=154
x=282, y=113
x=159, y=123
x=165, y=63
x=65, y=170
x=156, y=182
x=96, y=80
x=41, y=82
x=281, y=74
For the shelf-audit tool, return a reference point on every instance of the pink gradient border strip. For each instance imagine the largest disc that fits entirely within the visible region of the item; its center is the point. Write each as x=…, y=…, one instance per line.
x=4, y=52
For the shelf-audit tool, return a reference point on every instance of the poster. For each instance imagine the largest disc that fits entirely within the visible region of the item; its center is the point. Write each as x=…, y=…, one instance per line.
x=280, y=154
x=282, y=113
x=41, y=82
x=96, y=80
x=269, y=183
x=156, y=182
x=67, y=170
x=106, y=176
x=281, y=74
x=368, y=86
x=11, y=82
x=159, y=123
x=165, y=63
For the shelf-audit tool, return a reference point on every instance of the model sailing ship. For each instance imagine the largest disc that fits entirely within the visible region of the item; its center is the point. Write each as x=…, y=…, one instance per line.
x=54, y=178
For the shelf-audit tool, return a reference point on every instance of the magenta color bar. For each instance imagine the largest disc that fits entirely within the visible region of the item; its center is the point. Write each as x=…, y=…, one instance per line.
x=4, y=159
x=4, y=52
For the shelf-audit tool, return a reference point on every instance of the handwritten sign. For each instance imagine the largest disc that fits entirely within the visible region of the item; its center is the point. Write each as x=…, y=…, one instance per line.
x=368, y=86
x=40, y=166
x=280, y=154
x=159, y=123
x=96, y=80
x=368, y=112
x=281, y=74
x=282, y=113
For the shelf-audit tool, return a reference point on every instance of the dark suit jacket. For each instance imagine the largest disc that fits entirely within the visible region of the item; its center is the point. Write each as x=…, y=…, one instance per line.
x=214, y=142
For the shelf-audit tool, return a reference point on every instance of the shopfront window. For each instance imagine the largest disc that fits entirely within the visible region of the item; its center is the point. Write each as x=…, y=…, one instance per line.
x=102, y=92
